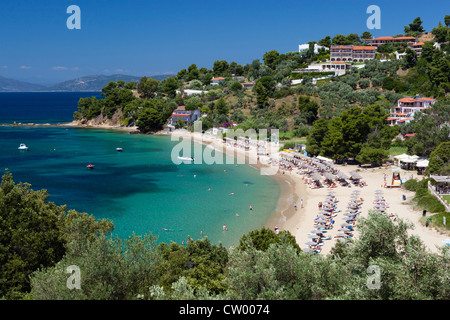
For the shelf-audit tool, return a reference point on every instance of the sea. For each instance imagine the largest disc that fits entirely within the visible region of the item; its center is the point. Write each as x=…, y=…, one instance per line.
x=140, y=189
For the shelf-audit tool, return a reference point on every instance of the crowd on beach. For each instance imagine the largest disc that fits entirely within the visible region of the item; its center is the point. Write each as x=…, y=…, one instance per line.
x=317, y=173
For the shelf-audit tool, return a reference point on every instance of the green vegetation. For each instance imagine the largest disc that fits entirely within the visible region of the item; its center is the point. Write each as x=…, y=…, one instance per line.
x=440, y=160
x=356, y=132
x=35, y=233
x=424, y=199
x=35, y=255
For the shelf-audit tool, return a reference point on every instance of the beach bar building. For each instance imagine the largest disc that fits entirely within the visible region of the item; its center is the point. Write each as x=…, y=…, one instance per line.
x=439, y=188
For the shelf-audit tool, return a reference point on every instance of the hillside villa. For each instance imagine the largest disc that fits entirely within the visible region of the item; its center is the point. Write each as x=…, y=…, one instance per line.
x=404, y=112
x=188, y=116
x=417, y=47
x=350, y=53
x=216, y=81
x=339, y=68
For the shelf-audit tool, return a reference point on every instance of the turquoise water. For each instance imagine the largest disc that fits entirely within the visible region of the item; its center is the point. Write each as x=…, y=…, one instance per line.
x=140, y=189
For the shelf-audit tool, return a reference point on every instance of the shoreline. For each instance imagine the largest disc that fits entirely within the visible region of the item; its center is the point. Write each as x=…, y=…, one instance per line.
x=301, y=221
x=293, y=188
x=290, y=189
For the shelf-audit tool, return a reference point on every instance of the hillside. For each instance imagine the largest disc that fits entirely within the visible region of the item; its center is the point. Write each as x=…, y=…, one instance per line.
x=86, y=83
x=11, y=85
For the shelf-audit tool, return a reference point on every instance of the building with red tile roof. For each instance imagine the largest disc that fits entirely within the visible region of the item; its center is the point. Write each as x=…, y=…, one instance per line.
x=351, y=53
x=382, y=40
x=407, y=107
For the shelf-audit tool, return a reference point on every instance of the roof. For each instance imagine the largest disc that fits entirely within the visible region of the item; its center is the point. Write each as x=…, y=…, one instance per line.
x=405, y=38
x=404, y=119
x=417, y=44
x=181, y=108
x=218, y=78
x=382, y=38
x=410, y=135
x=180, y=115
x=364, y=48
x=416, y=99
x=440, y=178
x=354, y=47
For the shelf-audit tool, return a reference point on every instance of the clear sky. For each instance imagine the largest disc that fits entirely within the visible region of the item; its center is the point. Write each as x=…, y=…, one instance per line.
x=150, y=37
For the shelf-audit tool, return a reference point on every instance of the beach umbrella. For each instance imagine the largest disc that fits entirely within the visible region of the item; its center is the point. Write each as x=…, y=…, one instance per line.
x=342, y=235
x=311, y=243
x=355, y=175
x=313, y=236
x=329, y=176
x=321, y=220
x=346, y=225
x=317, y=231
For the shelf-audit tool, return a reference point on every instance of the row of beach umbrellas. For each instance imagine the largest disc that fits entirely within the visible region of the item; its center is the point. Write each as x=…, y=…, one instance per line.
x=350, y=216
x=318, y=234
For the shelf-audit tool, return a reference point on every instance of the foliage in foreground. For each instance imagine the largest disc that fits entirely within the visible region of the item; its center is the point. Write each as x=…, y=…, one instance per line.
x=263, y=266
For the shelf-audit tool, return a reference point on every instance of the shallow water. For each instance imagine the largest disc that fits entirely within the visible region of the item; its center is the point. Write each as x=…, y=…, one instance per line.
x=140, y=189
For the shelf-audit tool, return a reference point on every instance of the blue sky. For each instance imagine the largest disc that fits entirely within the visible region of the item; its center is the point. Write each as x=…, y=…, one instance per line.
x=155, y=37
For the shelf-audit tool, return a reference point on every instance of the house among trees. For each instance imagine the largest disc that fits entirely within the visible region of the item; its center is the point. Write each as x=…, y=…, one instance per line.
x=406, y=108
x=216, y=81
x=247, y=84
x=188, y=116
x=338, y=67
x=302, y=48
x=350, y=53
x=417, y=47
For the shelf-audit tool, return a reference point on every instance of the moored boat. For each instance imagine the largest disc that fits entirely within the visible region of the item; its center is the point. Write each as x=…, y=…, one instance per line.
x=23, y=147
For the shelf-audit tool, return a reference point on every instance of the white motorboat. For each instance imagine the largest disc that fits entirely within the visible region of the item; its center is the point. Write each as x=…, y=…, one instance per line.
x=23, y=147
x=119, y=149
x=186, y=158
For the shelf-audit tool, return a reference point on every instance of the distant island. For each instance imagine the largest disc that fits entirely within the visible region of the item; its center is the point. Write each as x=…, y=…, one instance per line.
x=86, y=83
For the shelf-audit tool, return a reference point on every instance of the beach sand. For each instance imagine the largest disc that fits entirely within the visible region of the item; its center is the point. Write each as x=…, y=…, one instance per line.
x=300, y=221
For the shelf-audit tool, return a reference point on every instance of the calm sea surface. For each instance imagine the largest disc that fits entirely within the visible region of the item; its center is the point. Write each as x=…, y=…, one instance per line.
x=140, y=189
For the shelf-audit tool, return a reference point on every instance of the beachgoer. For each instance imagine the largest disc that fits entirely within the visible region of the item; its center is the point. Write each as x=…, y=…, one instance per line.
x=276, y=229
x=251, y=207
x=224, y=228
x=295, y=206
x=301, y=203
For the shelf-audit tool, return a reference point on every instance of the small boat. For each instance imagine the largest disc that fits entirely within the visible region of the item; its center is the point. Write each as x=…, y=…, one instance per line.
x=119, y=149
x=186, y=158
x=23, y=147
x=90, y=166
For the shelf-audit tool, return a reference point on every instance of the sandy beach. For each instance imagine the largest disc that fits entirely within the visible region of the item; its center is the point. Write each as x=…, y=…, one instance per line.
x=300, y=221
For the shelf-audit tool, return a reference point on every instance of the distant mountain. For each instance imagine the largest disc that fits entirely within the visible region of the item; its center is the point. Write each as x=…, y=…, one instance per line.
x=90, y=83
x=11, y=85
x=87, y=83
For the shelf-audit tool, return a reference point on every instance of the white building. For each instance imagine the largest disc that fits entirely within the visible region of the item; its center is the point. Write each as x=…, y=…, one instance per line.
x=404, y=111
x=304, y=47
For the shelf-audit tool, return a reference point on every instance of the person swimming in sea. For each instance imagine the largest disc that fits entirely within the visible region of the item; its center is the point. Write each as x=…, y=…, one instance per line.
x=224, y=228
x=251, y=207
